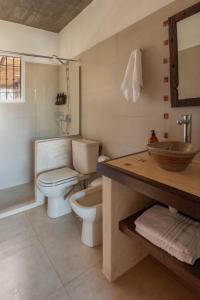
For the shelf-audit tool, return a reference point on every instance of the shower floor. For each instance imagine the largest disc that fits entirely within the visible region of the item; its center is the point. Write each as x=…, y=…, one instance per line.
x=16, y=195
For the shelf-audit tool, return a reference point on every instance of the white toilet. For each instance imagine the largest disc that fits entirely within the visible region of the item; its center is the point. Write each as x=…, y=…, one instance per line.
x=87, y=204
x=58, y=183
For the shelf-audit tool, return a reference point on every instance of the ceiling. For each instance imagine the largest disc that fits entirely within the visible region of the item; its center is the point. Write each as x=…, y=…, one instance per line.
x=51, y=15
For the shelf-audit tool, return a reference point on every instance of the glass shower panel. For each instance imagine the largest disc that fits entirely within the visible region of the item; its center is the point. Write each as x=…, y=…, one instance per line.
x=21, y=124
x=36, y=118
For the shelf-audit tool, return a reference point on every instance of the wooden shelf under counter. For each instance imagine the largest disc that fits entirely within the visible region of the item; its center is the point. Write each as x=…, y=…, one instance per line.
x=189, y=273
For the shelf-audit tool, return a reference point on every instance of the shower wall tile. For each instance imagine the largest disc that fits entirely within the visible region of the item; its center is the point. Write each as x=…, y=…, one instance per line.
x=21, y=124
x=52, y=154
x=73, y=97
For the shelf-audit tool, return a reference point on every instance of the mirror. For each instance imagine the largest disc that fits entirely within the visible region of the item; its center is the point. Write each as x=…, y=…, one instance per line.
x=184, y=42
x=188, y=34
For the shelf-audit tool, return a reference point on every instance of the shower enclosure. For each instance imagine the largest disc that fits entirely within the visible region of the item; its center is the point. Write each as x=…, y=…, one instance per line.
x=36, y=117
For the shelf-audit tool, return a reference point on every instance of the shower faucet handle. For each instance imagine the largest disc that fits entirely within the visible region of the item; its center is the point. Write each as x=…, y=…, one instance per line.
x=185, y=119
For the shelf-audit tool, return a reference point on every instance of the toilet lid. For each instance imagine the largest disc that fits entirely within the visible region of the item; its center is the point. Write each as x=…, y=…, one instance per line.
x=58, y=175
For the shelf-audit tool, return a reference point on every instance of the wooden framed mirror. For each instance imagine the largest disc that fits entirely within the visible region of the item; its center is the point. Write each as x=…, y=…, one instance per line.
x=184, y=44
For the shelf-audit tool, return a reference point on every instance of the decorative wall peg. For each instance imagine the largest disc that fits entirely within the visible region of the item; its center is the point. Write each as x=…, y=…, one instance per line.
x=165, y=61
x=166, y=42
x=166, y=79
x=165, y=135
x=166, y=116
x=166, y=98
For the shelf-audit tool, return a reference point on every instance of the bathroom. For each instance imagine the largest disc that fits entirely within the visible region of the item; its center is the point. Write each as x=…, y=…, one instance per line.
x=98, y=112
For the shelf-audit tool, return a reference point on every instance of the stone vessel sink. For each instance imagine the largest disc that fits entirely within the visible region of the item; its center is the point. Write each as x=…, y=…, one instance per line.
x=173, y=156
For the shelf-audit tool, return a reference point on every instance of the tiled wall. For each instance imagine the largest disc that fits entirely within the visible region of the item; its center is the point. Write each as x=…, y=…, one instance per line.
x=52, y=153
x=74, y=96
x=20, y=124
x=124, y=127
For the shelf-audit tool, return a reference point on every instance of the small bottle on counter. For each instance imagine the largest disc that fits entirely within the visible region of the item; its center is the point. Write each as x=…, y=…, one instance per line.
x=153, y=138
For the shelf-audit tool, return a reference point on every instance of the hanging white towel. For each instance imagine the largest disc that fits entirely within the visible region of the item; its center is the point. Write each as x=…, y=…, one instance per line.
x=132, y=83
x=176, y=234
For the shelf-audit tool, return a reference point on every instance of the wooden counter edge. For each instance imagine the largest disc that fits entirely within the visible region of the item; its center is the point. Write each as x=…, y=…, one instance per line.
x=186, y=203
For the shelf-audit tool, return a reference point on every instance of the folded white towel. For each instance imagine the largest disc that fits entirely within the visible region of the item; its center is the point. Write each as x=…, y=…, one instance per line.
x=174, y=233
x=132, y=83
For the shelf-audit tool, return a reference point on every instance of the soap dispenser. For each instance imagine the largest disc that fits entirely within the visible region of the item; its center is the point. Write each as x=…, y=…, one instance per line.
x=153, y=138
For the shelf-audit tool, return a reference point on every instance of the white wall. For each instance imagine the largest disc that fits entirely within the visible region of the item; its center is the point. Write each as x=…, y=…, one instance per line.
x=102, y=19
x=16, y=37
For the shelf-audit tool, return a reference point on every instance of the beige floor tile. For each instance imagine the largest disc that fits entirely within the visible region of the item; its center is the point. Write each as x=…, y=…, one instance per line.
x=14, y=226
x=16, y=195
x=61, y=239
x=38, y=216
x=72, y=260
x=27, y=275
x=147, y=281
x=17, y=244
x=60, y=294
x=53, y=231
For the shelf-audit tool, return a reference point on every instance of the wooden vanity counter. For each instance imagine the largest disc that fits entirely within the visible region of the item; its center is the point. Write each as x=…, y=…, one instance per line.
x=131, y=184
x=140, y=172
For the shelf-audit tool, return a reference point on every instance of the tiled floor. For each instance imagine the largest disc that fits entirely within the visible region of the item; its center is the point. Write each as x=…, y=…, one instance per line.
x=16, y=195
x=42, y=258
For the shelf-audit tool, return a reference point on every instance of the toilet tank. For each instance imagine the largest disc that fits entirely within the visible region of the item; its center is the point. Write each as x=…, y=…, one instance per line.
x=85, y=155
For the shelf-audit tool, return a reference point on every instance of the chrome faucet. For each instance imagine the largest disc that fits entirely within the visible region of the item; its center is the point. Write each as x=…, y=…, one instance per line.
x=186, y=121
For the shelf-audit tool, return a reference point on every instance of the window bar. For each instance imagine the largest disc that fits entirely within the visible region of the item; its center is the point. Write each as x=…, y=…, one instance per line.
x=0, y=81
x=6, y=79
x=20, y=68
x=13, y=79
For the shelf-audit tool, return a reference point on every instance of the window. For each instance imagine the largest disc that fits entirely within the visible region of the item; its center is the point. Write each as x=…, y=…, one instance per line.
x=10, y=79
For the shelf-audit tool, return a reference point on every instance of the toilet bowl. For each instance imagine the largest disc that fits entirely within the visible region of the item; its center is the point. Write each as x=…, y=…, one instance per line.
x=87, y=204
x=58, y=183
x=55, y=185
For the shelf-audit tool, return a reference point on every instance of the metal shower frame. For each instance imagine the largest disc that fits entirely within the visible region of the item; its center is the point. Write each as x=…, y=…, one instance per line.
x=60, y=59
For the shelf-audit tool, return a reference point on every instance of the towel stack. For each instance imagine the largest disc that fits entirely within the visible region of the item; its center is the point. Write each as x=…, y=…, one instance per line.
x=176, y=234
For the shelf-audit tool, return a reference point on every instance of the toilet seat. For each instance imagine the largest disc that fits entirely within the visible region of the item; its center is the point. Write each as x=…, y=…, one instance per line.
x=58, y=177
x=70, y=182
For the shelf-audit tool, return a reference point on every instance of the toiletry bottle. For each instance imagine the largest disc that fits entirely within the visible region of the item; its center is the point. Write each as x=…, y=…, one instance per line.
x=153, y=138
x=60, y=99
x=57, y=98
